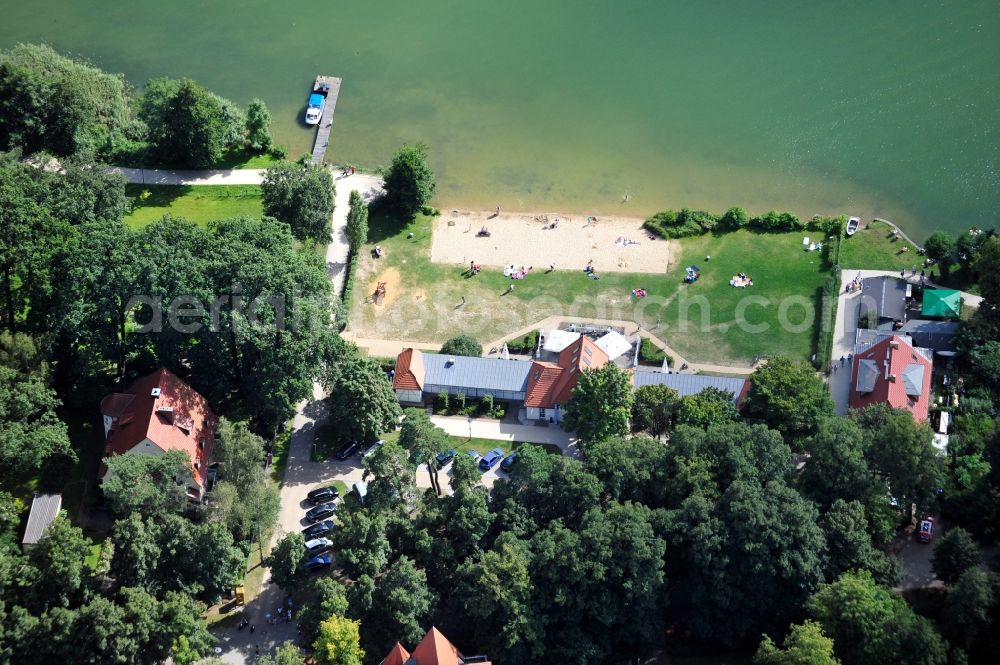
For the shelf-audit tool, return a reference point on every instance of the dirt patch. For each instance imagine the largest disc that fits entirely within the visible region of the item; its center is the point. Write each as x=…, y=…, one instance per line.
x=612, y=244
x=393, y=286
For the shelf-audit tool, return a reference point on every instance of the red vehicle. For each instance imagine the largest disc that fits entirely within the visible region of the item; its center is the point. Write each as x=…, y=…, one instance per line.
x=926, y=533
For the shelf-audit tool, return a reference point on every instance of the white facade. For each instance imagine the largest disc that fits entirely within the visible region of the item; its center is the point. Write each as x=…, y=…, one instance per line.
x=537, y=413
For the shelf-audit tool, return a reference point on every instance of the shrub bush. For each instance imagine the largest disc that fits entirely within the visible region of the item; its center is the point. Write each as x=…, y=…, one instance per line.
x=650, y=354
x=524, y=344
x=687, y=223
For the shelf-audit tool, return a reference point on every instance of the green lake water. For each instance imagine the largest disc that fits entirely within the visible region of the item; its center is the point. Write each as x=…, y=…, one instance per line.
x=881, y=108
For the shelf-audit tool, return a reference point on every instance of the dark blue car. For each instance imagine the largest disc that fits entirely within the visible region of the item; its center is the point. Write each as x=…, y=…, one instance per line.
x=319, y=562
x=508, y=462
x=490, y=459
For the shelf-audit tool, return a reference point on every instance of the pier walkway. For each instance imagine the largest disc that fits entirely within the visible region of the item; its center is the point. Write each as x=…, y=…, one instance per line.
x=326, y=122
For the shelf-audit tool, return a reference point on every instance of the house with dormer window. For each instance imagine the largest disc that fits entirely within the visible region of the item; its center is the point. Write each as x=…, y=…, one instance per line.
x=159, y=413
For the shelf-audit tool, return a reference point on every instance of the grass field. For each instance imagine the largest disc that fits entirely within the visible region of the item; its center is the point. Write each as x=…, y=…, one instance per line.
x=713, y=321
x=873, y=248
x=200, y=205
x=424, y=300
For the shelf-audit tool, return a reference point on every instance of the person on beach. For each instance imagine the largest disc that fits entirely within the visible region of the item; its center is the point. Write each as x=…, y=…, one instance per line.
x=498, y=210
x=510, y=288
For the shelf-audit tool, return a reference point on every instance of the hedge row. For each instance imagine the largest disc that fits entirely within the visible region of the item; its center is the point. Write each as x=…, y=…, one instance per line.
x=687, y=223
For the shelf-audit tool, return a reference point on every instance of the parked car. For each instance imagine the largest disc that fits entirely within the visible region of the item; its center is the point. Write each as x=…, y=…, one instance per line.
x=347, y=450
x=318, y=546
x=444, y=457
x=926, y=533
x=372, y=448
x=318, y=529
x=490, y=459
x=474, y=454
x=508, y=462
x=319, y=562
x=320, y=511
x=323, y=495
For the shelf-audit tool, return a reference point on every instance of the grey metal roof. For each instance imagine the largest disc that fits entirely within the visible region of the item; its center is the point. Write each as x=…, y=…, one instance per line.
x=44, y=509
x=481, y=373
x=885, y=295
x=913, y=379
x=690, y=384
x=868, y=373
x=937, y=335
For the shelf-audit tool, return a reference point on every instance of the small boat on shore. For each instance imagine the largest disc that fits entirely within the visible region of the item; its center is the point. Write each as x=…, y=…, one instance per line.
x=853, y=224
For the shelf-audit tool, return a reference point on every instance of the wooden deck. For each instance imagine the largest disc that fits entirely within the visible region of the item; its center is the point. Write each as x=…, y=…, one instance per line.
x=326, y=122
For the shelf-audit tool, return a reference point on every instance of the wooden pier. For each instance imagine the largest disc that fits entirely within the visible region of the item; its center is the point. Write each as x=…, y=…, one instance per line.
x=332, y=83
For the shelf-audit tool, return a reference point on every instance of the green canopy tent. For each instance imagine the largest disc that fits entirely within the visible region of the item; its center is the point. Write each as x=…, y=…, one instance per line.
x=942, y=302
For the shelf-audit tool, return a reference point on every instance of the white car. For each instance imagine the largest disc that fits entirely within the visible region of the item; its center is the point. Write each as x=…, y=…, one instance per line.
x=318, y=545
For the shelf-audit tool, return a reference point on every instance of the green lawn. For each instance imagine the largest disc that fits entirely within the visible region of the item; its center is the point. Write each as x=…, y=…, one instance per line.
x=201, y=204
x=423, y=298
x=422, y=301
x=711, y=321
x=873, y=248
x=242, y=159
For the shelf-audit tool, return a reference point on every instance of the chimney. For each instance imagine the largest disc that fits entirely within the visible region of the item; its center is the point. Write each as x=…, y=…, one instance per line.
x=449, y=362
x=154, y=393
x=892, y=377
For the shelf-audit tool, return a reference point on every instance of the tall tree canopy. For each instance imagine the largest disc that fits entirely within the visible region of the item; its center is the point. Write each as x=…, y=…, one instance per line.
x=193, y=133
x=871, y=626
x=463, y=345
x=789, y=396
x=361, y=400
x=409, y=182
x=357, y=221
x=301, y=197
x=600, y=404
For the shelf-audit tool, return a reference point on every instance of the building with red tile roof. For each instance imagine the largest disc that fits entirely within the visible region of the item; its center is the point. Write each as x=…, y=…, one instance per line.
x=893, y=372
x=551, y=384
x=434, y=649
x=157, y=414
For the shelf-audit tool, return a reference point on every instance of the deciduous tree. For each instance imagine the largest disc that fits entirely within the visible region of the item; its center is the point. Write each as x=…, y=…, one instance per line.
x=357, y=221
x=463, y=345
x=301, y=197
x=941, y=248
x=30, y=430
x=871, y=626
x=654, y=409
x=258, y=126
x=193, y=133
x=361, y=399
x=805, y=645
x=955, y=553
x=409, y=182
x=600, y=404
x=287, y=561
x=836, y=468
x=789, y=396
x=338, y=642
x=147, y=484
x=708, y=407
x=328, y=599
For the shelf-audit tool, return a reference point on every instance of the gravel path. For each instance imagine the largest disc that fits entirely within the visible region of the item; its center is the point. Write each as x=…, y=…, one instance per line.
x=370, y=188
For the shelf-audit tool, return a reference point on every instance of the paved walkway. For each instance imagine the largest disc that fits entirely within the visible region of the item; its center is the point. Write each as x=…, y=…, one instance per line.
x=370, y=187
x=487, y=428
x=184, y=177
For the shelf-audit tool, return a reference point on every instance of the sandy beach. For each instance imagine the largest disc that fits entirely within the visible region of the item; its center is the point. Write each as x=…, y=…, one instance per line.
x=540, y=239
